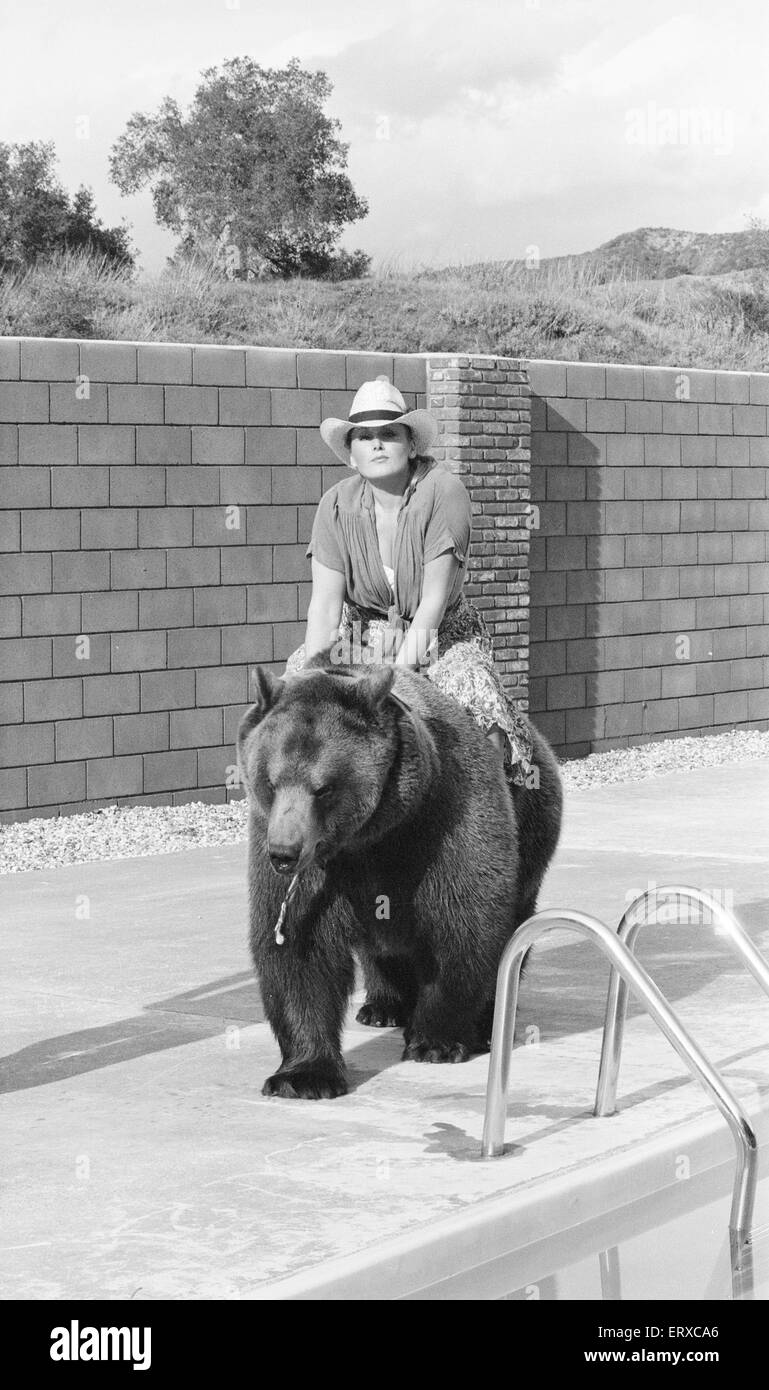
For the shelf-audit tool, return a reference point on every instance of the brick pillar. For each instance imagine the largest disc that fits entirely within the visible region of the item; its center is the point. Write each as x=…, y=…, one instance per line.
x=483, y=408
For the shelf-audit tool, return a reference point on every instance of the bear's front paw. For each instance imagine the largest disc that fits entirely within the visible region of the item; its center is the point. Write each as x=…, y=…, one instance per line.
x=306, y=1083
x=381, y=1013
x=425, y=1050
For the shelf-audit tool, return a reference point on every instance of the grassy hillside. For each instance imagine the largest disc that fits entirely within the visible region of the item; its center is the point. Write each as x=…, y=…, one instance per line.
x=565, y=310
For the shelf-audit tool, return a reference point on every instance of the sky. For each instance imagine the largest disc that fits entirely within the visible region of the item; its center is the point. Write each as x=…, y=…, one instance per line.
x=477, y=129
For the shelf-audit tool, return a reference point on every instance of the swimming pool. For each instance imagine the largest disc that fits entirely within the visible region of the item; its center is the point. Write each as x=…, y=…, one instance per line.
x=670, y=1243
x=634, y=1205
x=648, y=1251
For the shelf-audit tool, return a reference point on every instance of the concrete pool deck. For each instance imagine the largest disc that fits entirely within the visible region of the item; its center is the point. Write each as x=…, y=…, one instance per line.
x=142, y=1161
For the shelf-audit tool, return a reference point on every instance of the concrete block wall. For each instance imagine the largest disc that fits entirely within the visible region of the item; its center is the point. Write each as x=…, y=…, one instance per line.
x=649, y=573
x=156, y=502
x=155, y=506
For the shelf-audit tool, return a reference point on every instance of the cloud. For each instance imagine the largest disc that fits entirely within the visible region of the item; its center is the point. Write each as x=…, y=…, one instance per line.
x=446, y=56
x=648, y=126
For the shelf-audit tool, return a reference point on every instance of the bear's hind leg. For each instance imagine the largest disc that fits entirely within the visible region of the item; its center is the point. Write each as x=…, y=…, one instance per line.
x=444, y=1027
x=391, y=991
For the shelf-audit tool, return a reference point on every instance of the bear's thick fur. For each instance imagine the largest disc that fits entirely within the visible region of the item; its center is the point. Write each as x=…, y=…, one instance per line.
x=411, y=853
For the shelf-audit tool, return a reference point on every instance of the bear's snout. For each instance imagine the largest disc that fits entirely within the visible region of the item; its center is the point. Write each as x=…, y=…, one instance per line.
x=292, y=832
x=284, y=858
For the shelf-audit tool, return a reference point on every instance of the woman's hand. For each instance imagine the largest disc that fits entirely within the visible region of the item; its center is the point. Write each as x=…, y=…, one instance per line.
x=438, y=578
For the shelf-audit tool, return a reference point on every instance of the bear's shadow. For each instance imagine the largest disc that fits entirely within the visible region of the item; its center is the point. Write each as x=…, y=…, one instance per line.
x=175, y=1021
x=561, y=995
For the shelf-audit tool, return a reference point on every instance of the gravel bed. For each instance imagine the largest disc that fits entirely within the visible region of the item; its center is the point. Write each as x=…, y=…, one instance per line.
x=127, y=832
x=669, y=755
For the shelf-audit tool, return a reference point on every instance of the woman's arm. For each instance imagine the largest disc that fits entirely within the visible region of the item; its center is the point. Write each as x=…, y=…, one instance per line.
x=324, y=613
x=437, y=581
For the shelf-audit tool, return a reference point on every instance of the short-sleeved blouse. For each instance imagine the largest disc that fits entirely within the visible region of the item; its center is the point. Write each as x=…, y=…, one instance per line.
x=434, y=517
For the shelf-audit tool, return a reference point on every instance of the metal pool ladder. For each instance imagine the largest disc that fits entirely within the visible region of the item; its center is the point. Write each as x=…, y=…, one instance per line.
x=647, y=905
x=626, y=972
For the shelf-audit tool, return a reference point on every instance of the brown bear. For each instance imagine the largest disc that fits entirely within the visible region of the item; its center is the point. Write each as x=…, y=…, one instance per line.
x=388, y=807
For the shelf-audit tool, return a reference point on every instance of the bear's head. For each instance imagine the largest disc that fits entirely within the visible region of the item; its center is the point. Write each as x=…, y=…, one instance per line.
x=316, y=753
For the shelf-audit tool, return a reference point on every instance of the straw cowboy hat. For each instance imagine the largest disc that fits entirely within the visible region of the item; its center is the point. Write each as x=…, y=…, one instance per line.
x=379, y=403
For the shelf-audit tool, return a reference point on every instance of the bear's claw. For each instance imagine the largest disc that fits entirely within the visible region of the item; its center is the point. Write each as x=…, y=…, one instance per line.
x=305, y=1084
x=423, y=1050
x=379, y=1013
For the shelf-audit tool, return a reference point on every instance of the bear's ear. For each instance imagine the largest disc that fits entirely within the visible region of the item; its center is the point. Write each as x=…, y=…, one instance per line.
x=376, y=685
x=265, y=690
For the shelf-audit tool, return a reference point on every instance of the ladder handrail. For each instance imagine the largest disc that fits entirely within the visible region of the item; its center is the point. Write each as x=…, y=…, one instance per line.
x=505, y=1005
x=616, y=1001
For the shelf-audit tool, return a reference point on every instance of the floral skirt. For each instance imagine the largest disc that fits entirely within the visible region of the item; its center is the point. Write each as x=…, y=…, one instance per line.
x=462, y=667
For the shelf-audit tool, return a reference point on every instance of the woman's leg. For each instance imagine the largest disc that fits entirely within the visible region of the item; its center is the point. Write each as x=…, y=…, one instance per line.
x=467, y=673
x=497, y=737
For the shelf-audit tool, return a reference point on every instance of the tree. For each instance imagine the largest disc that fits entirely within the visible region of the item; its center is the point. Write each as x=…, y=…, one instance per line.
x=257, y=155
x=85, y=230
x=34, y=205
x=36, y=217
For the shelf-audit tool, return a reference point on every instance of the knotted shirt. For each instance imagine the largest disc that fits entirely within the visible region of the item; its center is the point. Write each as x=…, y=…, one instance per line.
x=434, y=517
